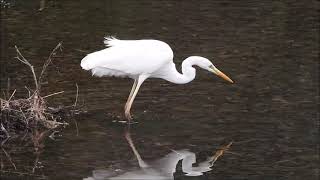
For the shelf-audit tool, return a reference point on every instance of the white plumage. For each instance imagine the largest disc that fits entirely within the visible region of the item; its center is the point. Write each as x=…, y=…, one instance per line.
x=142, y=59
x=128, y=58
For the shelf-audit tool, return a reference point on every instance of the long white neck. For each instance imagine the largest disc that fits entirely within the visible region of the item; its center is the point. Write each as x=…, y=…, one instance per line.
x=188, y=72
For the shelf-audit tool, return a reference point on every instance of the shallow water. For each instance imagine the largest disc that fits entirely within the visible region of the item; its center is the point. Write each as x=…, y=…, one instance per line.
x=270, y=49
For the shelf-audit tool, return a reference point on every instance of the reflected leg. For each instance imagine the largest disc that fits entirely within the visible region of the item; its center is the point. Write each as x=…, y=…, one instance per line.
x=142, y=164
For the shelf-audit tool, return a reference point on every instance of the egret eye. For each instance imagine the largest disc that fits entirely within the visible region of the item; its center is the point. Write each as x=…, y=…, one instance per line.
x=211, y=66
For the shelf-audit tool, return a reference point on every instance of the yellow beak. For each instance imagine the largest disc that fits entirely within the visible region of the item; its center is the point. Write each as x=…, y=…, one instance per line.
x=221, y=74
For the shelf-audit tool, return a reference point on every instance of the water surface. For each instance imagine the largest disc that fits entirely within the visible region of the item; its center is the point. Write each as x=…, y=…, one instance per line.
x=270, y=50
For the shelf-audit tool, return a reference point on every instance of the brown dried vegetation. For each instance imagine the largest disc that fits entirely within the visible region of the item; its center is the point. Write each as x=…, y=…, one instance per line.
x=29, y=120
x=31, y=112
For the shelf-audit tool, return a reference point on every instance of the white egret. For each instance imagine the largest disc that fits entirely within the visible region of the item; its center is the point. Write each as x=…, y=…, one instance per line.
x=142, y=59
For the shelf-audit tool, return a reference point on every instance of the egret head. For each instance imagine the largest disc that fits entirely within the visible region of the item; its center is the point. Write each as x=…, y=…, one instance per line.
x=206, y=64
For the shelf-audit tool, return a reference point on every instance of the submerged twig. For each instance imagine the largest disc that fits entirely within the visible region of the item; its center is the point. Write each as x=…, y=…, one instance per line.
x=7, y=135
x=8, y=88
x=75, y=102
x=23, y=174
x=36, y=161
x=5, y=131
x=42, y=5
x=220, y=152
x=9, y=158
x=74, y=106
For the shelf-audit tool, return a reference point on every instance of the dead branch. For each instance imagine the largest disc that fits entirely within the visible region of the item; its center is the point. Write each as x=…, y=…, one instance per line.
x=12, y=95
x=29, y=91
x=53, y=94
x=21, y=58
x=48, y=61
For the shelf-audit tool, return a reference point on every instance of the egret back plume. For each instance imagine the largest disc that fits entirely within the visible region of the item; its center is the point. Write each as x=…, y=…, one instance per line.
x=110, y=41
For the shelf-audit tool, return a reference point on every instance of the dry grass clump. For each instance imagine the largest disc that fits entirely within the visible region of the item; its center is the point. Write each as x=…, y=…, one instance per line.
x=29, y=120
x=30, y=113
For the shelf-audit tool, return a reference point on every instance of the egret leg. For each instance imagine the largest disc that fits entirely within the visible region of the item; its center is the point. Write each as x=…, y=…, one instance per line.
x=128, y=107
x=131, y=92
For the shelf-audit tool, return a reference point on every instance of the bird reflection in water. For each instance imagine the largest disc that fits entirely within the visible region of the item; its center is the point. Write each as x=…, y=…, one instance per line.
x=161, y=169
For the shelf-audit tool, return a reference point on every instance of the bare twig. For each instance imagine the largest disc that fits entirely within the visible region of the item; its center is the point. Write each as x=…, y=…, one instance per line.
x=29, y=92
x=52, y=135
x=83, y=51
x=53, y=94
x=48, y=61
x=21, y=58
x=12, y=95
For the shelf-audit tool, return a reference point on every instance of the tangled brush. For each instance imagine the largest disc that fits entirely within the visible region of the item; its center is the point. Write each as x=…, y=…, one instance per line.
x=27, y=114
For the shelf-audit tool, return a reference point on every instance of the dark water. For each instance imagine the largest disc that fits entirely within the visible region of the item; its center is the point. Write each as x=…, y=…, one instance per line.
x=270, y=49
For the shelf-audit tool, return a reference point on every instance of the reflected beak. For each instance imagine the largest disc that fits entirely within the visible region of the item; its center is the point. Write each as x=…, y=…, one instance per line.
x=221, y=74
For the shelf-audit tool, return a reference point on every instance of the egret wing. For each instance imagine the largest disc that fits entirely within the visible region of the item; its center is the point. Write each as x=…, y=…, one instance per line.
x=129, y=57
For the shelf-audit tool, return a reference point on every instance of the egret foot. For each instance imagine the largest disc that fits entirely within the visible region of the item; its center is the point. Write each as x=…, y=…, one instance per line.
x=124, y=122
x=128, y=115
